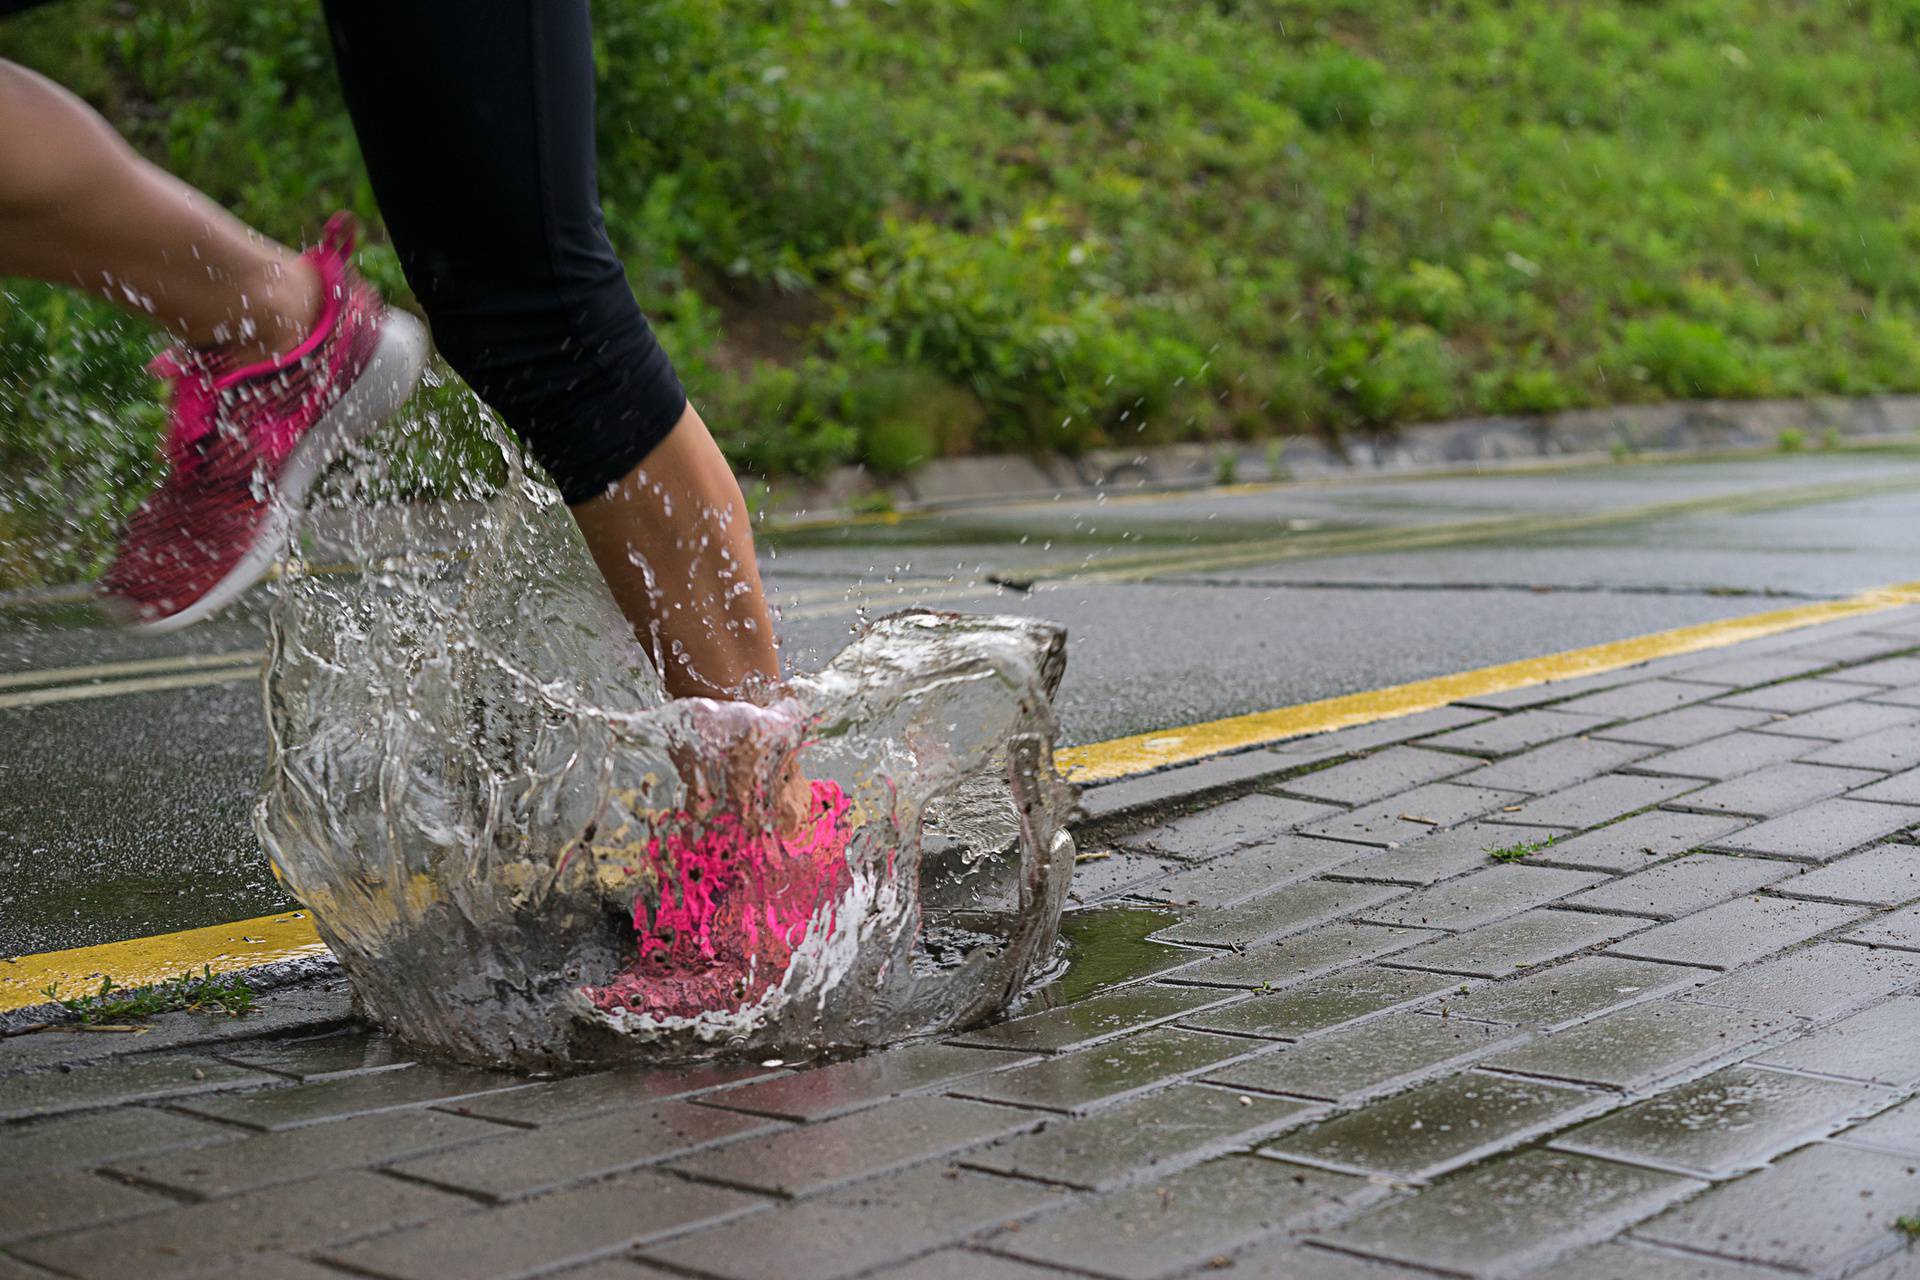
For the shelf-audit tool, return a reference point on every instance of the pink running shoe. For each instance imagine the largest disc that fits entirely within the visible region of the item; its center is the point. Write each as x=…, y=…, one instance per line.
x=733, y=907
x=247, y=442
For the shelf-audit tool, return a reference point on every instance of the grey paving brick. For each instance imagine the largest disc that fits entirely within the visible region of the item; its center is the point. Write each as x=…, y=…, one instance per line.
x=859, y=1082
x=1525, y=940
x=1368, y=1057
x=1897, y=929
x=1505, y=735
x=1413, y=814
x=1636, y=1046
x=1821, y=832
x=1842, y=722
x=1901, y=788
x=68, y=1202
x=1285, y=961
x=1885, y=875
x=1323, y=1003
x=528, y=1162
x=848, y=1232
x=1480, y=897
x=1499, y=1217
x=1250, y=872
x=1226, y=827
x=1736, y=1119
x=284, y=1266
x=1888, y=750
x=1777, y=789
x=1385, y=733
x=556, y=1101
x=79, y=1140
x=1641, y=698
x=1582, y=988
x=1757, y=669
x=1625, y=1261
x=1109, y=1071
x=46, y=1093
x=1147, y=1137
x=322, y=1057
x=1437, y=1126
x=1727, y=757
x=1793, y=697
x=1897, y=1130
x=1682, y=886
x=319, y=1005
x=1103, y=1017
x=1103, y=874
x=1601, y=800
x=1886, y=672
x=339, y=1099
x=810, y=1158
x=1909, y=696
x=540, y=1235
x=1187, y=782
x=1439, y=856
x=1899, y=1264
x=966, y=1264
x=1843, y=1200
x=1373, y=777
x=1559, y=691
x=1556, y=766
x=1185, y=1219
x=189, y=1240
x=1820, y=982
x=1637, y=842
x=1291, y=909
x=1684, y=727
x=1738, y=932
x=1302, y=1260
x=266, y=1160
x=1853, y=648
x=1880, y=1045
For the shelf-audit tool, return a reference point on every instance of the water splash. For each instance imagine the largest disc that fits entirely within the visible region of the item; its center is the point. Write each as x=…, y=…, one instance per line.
x=478, y=786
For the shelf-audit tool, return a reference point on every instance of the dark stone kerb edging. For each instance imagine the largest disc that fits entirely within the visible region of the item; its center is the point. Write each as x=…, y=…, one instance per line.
x=1674, y=428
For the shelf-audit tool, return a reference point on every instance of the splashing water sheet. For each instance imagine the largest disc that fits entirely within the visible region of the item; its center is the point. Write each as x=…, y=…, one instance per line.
x=478, y=786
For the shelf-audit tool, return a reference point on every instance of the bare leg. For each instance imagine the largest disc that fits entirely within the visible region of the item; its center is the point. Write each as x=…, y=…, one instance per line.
x=79, y=206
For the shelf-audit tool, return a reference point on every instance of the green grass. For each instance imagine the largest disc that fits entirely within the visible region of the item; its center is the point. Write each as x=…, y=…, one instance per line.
x=1908, y=1225
x=202, y=993
x=1517, y=852
x=883, y=232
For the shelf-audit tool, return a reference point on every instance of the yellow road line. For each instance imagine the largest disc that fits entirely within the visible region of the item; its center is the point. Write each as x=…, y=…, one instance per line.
x=135, y=667
x=142, y=961
x=113, y=688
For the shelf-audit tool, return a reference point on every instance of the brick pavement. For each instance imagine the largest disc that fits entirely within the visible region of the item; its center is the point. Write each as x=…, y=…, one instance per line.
x=1315, y=1030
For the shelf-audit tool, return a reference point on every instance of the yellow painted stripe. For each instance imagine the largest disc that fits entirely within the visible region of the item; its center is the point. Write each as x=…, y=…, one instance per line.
x=135, y=667
x=1146, y=752
x=140, y=962
x=114, y=688
x=224, y=948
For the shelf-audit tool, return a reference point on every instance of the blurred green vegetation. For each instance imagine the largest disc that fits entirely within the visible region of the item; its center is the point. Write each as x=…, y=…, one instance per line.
x=882, y=230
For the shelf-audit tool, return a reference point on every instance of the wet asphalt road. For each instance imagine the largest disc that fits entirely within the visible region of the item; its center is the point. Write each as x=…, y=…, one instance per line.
x=127, y=813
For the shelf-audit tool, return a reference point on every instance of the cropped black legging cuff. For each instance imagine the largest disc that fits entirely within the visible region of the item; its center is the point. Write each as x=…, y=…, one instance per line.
x=476, y=121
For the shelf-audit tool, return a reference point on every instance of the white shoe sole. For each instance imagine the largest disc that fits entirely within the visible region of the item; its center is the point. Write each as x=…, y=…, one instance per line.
x=382, y=387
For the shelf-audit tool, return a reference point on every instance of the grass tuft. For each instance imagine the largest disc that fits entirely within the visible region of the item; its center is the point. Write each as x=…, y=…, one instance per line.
x=202, y=993
x=1516, y=852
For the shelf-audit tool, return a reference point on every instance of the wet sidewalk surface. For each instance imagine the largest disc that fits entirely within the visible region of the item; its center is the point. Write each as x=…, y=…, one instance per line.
x=1610, y=978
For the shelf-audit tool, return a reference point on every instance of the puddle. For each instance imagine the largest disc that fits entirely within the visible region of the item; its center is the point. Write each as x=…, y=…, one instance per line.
x=478, y=786
x=1104, y=947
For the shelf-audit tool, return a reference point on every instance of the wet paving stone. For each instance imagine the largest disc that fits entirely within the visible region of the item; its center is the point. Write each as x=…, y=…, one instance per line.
x=1886, y=875
x=1682, y=886
x=1480, y=897
x=1521, y=942
x=1322, y=1003
x=1635, y=843
x=284, y=1266
x=557, y=1101
x=1369, y=1057
x=1498, y=1217
x=1899, y=1264
x=69, y=1201
x=1506, y=735
x=75, y=1141
x=1603, y=799
x=1582, y=988
x=1101, y=875
x=1148, y=1137
x=323, y=1057
x=815, y=1157
x=1777, y=789
x=1684, y=727
x=1821, y=832
x=340, y=1099
x=1186, y=782
x=1842, y=723
x=1725, y=1123
x=1108, y=1072
x=1843, y=1200
x=839, y=1087
x=1888, y=751
x=1286, y=961
x=189, y=1240
x=1292, y=909
x=265, y=1160
x=538, y=1235
x=1250, y=872
x=1559, y=765
x=1084, y=1022
x=1413, y=814
x=1641, y=1044
x=1302, y=1260
x=961, y=1264
x=1432, y=1128
x=1185, y=1219
x=1897, y=1130
x=1619, y=1261
x=1901, y=788
x=1640, y=699
x=1794, y=696
x=853, y=1231
x=1439, y=856
x=1819, y=983
x=1385, y=733
x=1738, y=932
x=1373, y=777
x=46, y=1093
x=1226, y=827
x=1880, y=1045
x=1727, y=757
